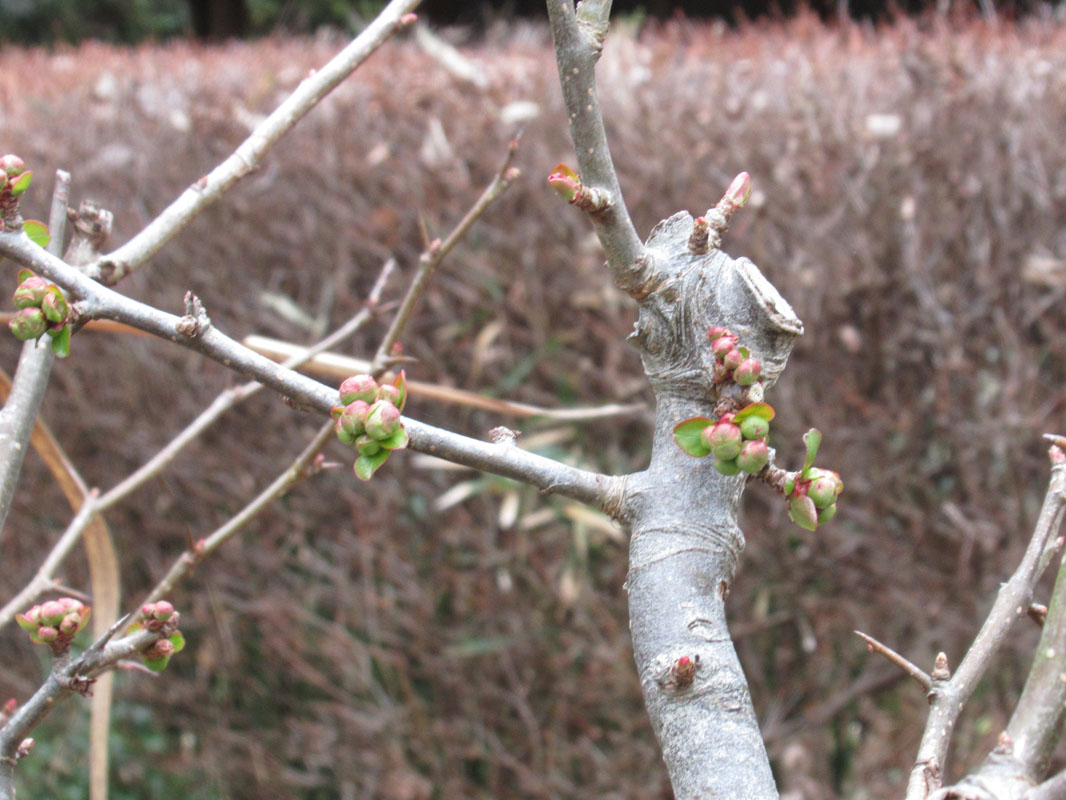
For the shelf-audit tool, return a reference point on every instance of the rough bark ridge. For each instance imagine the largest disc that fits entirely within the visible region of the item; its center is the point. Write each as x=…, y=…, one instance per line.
x=682, y=515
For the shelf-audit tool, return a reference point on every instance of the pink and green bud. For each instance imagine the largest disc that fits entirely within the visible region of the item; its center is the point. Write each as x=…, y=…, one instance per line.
x=12, y=165
x=367, y=446
x=754, y=455
x=46, y=634
x=161, y=649
x=803, y=512
x=739, y=190
x=359, y=387
x=350, y=424
x=723, y=344
x=390, y=393
x=382, y=420
x=827, y=513
x=747, y=372
x=718, y=331
x=28, y=323
x=30, y=292
x=732, y=359
x=70, y=625
x=727, y=466
x=754, y=428
x=54, y=306
x=163, y=610
x=51, y=612
x=565, y=182
x=724, y=440
x=825, y=488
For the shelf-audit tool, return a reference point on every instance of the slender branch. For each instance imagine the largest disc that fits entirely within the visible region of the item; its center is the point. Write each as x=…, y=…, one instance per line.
x=116, y=265
x=913, y=670
x=231, y=397
x=340, y=366
x=436, y=253
x=295, y=472
x=578, y=38
x=196, y=334
x=31, y=376
x=946, y=700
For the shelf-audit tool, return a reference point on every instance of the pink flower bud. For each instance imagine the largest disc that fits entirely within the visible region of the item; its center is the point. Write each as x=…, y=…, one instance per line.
x=47, y=634
x=565, y=182
x=52, y=612
x=28, y=323
x=30, y=292
x=723, y=344
x=723, y=439
x=739, y=190
x=349, y=425
x=12, y=165
x=389, y=392
x=754, y=455
x=754, y=428
x=732, y=359
x=382, y=420
x=54, y=306
x=717, y=331
x=359, y=387
x=825, y=488
x=747, y=372
x=70, y=625
x=163, y=610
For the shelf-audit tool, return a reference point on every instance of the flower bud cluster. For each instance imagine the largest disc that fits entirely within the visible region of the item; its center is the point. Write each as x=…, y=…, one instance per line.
x=55, y=622
x=160, y=617
x=41, y=308
x=738, y=447
x=369, y=419
x=14, y=181
x=812, y=496
x=732, y=362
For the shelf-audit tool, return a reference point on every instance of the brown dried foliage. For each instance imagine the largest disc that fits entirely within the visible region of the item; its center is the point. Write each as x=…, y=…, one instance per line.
x=354, y=642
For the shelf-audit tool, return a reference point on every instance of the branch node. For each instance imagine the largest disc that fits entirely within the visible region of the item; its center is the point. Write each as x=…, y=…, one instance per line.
x=941, y=671
x=195, y=322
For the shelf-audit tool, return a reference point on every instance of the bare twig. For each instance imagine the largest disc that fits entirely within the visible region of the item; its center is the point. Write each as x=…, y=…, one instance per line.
x=231, y=397
x=436, y=253
x=578, y=37
x=335, y=365
x=116, y=265
x=904, y=664
x=31, y=376
x=295, y=472
x=946, y=700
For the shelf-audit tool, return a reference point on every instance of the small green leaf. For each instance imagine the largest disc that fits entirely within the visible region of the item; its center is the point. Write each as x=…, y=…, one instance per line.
x=762, y=410
x=802, y=511
x=813, y=440
x=26, y=623
x=401, y=384
x=26, y=273
x=687, y=435
x=366, y=466
x=61, y=341
x=20, y=183
x=157, y=664
x=38, y=233
x=178, y=641
x=396, y=441
x=790, y=484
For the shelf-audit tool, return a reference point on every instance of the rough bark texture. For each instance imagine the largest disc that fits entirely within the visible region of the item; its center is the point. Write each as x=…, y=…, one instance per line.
x=682, y=514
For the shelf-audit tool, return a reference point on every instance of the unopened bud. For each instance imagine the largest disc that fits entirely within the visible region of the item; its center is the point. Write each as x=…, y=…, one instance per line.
x=164, y=610
x=723, y=344
x=390, y=393
x=825, y=488
x=727, y=466
x=732, y=359
x=739, y=190
x=359, y=387
x=12, y=165
x=28, y=323
x=754, y=455
x=382, y=420
x=51, y=612
x=367, y=446
x=47, y=634
x=747, y=372
x=723, y=439
x=54, y=306
x=30, y=292
x=754, y=428
x=349, y=425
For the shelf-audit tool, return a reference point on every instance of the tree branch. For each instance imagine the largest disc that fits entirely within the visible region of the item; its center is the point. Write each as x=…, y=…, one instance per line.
x=578, y=38
x=114, y=266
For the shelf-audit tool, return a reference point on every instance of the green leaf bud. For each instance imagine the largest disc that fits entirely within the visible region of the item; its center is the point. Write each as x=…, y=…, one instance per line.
x=754, y=428
x=754, y=455
x=28, y=323
x=30, y=292
x=54, y=306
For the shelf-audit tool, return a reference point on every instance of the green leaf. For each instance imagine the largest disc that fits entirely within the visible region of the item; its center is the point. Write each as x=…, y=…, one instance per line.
x=366, y=466
x=401, y=384
x=26, y=273
x=688, y=438
x=157, y=664
x=802, y=511
x=61, y=341
x=397, y=441
x=20, y=183
x=813, y=440
x=38, y=233
x=178, y=641
x=762, y=410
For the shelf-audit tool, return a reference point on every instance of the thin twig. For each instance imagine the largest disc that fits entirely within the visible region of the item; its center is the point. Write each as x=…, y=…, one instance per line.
x=338, y=366
x=436, y=253
x=913, y=670
x=31, y=376
x=116, y=265
x=294, y=473
x=231, y=397
x=947, y=699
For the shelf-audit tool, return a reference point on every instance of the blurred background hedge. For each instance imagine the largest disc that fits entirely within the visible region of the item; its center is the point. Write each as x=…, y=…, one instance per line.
x=438, y=634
